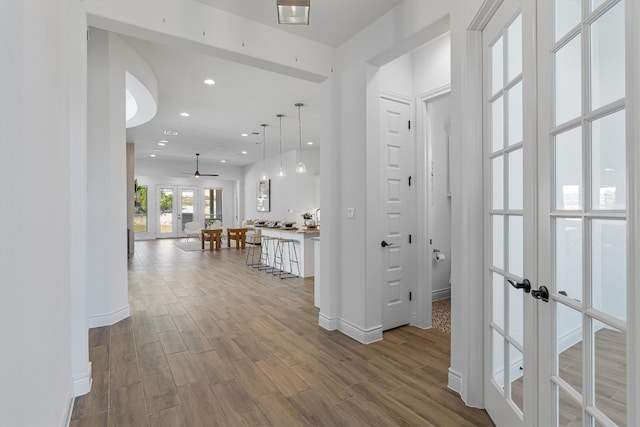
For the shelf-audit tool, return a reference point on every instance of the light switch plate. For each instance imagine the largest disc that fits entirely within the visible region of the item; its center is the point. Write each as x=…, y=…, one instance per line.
x=351, y=213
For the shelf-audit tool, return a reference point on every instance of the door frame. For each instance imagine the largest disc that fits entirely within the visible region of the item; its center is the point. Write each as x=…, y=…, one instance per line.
x=422, y=313
x=176, y=206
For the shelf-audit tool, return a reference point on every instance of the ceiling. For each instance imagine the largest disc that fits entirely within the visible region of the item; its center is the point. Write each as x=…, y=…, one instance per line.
x=243, y=97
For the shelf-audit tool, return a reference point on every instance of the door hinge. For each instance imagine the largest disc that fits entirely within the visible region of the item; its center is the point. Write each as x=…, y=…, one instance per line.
x=431, y=241
x=409, y=180
x=410, y=296
x=409, y=124
x=409, y=238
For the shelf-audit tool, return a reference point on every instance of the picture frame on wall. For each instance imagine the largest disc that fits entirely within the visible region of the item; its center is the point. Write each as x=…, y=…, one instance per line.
x=263, y=196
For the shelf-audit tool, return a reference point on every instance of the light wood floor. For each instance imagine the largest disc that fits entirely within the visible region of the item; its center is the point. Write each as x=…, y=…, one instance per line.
x=213, y=342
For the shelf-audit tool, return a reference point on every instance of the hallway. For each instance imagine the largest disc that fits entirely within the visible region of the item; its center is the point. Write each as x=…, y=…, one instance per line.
x=211, y=341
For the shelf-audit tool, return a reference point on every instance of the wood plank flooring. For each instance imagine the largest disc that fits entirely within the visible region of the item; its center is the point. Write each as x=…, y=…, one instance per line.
x=212, y=342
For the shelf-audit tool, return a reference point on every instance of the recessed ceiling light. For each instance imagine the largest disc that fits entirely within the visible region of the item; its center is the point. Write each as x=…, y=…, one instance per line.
x=170, y=132
x=243, y=152
x=223, y=161
x=162, y=143
x=157, y=151
x=152, y=155
x=245, y=134
x=184, y=114
x=209, y=82
x=310, y=143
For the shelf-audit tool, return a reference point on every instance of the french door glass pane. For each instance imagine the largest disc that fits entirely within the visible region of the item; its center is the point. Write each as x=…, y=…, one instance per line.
x=609, y=267
x=497, y=300
x=569, y=412
x=516, y=187
x=498, y=241
x=607, y=57
x=568, y=14
x=186, y=204
x=514, y=49
x=568, y=170
x=140, y=221
x=516, y=362
x=568, y=81
x=569, y=345
x=596, y=4
x=166, y=210
x=515, y=114
x=516, y=244
x=497, y=182
x=608, y=170
x=568, y=257
x=497, y=125
x=497, y=367
x=610, y=372
x=497, y=69
x=516, y=317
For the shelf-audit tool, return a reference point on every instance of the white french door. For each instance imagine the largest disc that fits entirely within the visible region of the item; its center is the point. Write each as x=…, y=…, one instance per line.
x=510, y=341
x=175, y=207
x=583, y=213
x=556, y=213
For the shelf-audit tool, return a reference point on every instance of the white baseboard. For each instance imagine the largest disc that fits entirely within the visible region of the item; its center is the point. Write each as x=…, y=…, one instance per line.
x=82, y=383
x=66, y=416
x=328, y=323
x=455, y=381
x=365, y=336
x=569, y=339
x=441, y=294
x=109, y=319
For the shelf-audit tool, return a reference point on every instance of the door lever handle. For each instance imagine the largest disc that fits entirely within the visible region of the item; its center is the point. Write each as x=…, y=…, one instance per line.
x=525, y=285
x=384, y=244
x=542, y=293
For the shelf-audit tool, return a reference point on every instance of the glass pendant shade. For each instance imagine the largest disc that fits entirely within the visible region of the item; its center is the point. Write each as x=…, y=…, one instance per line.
x=281, y=172
x=264, y=175
x=294, y=12
x=301, y=168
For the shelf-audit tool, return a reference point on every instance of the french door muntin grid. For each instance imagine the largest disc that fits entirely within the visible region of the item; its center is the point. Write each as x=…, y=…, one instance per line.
x=586, y=214
x=503, y=93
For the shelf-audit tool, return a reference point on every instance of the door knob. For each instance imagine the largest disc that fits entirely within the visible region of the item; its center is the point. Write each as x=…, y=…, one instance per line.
x=384, y=244
x=542, y=293
x=525, y=285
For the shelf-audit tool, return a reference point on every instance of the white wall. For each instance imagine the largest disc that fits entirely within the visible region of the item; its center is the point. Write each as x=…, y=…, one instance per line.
x=291, y=195
x=35, y=291
x=432, y=65
x=107, y=196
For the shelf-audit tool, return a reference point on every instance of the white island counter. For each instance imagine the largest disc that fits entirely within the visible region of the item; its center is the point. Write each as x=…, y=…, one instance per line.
x=303, y=245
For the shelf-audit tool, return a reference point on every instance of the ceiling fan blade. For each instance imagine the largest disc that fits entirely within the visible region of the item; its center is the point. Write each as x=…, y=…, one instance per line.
x=209, y=174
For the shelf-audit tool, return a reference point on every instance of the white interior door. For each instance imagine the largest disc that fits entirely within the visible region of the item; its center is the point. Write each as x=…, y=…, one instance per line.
x=510, y=342
x=583, y=213
x=398, y=269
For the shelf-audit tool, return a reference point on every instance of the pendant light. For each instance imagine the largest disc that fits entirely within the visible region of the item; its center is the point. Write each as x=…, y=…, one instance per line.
x=281, y=172
x=264, y=176
x=301, y=168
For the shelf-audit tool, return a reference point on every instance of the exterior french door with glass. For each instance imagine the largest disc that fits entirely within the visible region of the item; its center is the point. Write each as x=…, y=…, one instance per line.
x=556, y=214
x=174, y=207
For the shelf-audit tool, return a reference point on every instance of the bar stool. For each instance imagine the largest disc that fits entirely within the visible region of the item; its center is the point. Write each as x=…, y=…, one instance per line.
x=292, y=255
x=264, y=253
x=254, y=240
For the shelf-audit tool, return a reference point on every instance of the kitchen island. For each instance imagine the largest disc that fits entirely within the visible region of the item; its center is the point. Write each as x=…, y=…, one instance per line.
x=302, y=243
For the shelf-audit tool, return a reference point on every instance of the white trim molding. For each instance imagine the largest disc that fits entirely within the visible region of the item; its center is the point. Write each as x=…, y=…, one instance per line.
x=440, y=294
x=365, y=336
x=82, y=383
x=66, y=416
x=455, y=381
x=110, y=318
x=328, y=323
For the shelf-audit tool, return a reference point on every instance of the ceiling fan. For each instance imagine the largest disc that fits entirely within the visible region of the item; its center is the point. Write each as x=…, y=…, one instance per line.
x=197, y=173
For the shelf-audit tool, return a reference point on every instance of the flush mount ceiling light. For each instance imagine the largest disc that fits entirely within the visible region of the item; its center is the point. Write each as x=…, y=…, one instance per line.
x=264, y=175
x=301, y=168
x=294, y=12
x=281, y=172
x=209, y=82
